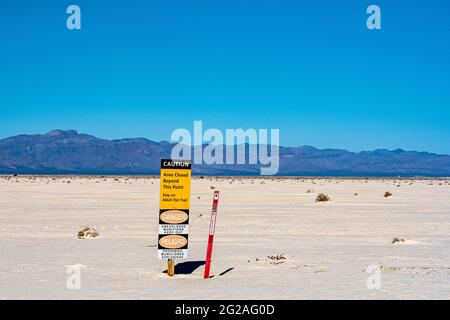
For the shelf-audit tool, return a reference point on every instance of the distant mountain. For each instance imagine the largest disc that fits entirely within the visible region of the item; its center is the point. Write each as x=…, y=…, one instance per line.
x=59, y=152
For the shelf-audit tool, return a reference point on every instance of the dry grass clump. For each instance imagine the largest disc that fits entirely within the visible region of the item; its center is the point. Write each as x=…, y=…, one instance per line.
x=322, y=197
x=87, y=233
x=278, y=259
x=387, y=194
x=397, y=240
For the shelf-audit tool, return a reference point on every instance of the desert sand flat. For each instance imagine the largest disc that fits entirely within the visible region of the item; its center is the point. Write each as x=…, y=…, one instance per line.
x=329, y=248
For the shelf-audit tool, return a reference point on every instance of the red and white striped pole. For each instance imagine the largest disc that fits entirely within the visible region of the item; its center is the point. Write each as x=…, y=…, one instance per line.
x=212, y=228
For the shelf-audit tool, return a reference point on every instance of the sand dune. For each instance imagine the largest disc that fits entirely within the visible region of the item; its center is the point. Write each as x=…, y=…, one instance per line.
x=328, y=249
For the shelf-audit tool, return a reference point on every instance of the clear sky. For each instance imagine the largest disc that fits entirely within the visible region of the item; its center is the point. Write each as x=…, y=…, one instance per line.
x=310, y=68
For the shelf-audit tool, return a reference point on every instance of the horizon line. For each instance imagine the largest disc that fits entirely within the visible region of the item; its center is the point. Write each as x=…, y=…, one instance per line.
x=246, y=143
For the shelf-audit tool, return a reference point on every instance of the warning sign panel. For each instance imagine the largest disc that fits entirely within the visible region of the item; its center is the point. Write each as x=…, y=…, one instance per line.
x=174, y=202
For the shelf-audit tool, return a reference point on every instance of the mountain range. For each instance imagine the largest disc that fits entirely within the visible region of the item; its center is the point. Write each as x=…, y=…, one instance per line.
x=68, y=152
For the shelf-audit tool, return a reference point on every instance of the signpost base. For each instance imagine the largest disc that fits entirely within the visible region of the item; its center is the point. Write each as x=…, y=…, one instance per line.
x=208, y=256
x=171, y=267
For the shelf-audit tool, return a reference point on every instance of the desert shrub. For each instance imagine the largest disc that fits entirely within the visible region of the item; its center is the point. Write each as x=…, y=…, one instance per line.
x=87, y=232
x=387, y=194
x=322, y=197
x=397, y=240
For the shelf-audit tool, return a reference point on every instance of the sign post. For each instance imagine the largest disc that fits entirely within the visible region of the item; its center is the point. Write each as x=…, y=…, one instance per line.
x=174, y=202
x=171, y=267
x=212, y=228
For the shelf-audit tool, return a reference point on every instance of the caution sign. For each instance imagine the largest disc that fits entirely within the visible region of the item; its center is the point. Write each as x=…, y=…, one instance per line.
x=174, y=202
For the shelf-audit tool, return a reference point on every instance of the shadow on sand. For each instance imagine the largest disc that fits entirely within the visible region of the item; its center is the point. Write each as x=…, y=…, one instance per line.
x=226, y=271
x=187, y=267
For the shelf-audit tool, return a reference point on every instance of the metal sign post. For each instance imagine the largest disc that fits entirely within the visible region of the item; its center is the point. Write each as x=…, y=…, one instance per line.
x=212, y=227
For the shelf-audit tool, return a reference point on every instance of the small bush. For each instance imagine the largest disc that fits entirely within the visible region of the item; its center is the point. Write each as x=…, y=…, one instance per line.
x=387, y=194
x=322, y=197
x=278, y=259
x=87, y=232
x=397, y=240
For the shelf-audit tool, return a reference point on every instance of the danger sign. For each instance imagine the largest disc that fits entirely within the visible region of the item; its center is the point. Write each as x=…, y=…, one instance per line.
x=174, y=202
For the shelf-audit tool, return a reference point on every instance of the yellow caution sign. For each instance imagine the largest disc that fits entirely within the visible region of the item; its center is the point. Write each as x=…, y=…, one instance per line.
x=174, y=203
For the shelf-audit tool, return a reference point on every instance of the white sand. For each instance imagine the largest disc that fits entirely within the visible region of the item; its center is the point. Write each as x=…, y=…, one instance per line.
x=327, y=246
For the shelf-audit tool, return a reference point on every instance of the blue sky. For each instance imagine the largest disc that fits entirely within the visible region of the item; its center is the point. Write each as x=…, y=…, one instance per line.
x=310, y=68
